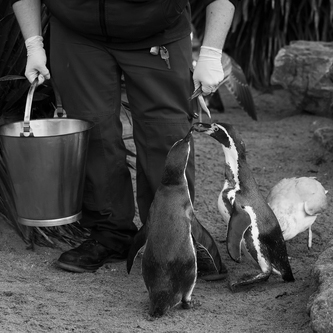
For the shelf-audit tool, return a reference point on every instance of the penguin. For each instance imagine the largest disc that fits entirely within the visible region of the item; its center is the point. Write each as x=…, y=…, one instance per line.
x=172, y=237
x=296, y=202
x=252, y=226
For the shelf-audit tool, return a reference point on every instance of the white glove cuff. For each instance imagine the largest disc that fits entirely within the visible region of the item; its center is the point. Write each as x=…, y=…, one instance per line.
x=34, y=44
x=210, y=52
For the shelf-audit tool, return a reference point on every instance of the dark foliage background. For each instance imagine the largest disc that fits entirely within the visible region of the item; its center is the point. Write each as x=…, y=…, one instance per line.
x=262, y=27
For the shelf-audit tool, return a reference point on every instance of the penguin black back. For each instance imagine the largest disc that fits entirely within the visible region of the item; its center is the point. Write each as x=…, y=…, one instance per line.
x=169, y=267
x=170, y=236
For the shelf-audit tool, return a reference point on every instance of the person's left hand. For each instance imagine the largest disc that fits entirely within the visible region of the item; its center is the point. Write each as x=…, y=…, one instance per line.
x=208, y=72
x=36, y=60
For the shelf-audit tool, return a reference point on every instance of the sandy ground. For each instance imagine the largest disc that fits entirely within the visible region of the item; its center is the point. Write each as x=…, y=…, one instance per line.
x=36, y=296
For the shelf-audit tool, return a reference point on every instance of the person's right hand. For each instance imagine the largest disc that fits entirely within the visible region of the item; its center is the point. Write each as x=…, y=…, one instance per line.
x=36, y=61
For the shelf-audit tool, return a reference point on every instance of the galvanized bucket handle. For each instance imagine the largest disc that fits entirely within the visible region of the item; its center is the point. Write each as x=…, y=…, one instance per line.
x=26, y=122
x=59, y=111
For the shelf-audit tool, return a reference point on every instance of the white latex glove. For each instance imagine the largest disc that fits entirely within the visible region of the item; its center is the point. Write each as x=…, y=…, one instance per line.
x=36, y=61
x=208, y=72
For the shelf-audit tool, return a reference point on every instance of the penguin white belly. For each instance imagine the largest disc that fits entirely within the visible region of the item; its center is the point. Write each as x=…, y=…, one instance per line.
x=222, y=208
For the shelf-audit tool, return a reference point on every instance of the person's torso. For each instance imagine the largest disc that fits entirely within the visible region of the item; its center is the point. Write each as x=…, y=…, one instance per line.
x=124, y=22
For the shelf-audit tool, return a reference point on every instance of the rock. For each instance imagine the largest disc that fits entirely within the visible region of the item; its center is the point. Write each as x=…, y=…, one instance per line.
x=305, y=69
x=320, y=305
x=325, y=136
x=320, y=122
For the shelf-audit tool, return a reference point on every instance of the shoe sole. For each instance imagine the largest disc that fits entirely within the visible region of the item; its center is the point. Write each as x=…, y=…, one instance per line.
x=87, y=269
x=74, y=269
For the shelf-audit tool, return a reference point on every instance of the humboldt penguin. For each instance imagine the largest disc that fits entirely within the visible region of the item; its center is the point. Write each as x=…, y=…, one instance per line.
x=296, y=202
x=252, y=226
x=172, y=237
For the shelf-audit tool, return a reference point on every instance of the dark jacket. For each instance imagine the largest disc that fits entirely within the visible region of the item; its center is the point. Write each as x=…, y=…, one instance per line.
x=126, y=24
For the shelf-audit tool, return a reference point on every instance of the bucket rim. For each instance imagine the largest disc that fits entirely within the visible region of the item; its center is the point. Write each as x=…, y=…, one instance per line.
x=90, y=125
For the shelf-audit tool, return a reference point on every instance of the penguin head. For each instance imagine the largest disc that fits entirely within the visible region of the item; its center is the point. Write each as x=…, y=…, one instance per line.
x=214, y=130
x=176, y=161
x=226, y=135
x=233, y=148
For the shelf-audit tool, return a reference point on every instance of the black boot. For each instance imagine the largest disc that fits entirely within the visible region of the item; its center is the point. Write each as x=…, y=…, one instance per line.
x=88, y=257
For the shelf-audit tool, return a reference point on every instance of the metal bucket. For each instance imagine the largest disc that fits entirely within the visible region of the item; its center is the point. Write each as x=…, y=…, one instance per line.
x=46, y=162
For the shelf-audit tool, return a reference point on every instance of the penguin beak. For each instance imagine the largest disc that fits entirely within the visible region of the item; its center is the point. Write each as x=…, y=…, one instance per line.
x=201, y=127
x=215, y=130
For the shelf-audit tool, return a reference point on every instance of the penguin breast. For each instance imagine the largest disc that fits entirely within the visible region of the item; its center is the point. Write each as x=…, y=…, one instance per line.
x=296, y=202
x=223, y=208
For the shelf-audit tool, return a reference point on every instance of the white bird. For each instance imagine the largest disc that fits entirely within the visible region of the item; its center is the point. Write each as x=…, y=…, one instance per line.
x=296, y=203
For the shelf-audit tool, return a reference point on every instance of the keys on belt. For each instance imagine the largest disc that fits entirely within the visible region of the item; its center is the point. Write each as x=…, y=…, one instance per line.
x=164, y=54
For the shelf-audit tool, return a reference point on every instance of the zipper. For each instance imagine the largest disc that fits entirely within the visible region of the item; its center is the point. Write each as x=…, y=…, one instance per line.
x=102, y=20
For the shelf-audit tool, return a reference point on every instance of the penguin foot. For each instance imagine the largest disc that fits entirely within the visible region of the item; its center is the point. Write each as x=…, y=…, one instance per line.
x=262, y=277
x=186, y=304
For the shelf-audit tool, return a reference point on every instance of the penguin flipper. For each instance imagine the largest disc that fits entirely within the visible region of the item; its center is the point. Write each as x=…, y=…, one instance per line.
x=209, y=260
x=239, y=222
x=138, y=242
x=261, y=277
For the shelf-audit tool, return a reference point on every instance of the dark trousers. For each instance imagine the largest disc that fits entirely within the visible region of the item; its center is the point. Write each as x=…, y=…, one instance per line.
x=88, y=75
